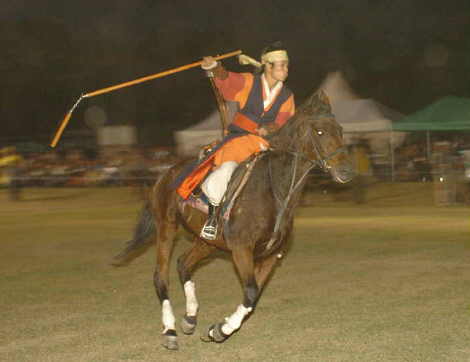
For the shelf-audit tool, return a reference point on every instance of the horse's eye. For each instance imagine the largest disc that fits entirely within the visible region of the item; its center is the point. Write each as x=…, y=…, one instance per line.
x=320, y=132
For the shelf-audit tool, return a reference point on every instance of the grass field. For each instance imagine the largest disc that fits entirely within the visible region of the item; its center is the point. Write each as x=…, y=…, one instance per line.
x=384, y=281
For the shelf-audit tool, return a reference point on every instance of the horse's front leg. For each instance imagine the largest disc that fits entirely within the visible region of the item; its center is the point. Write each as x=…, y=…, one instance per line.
x=264, y=268
x=243, y=259
x=164, y=246
x=186, y=263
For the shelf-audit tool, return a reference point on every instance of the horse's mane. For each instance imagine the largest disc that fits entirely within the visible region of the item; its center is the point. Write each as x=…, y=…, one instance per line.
x=317, y=106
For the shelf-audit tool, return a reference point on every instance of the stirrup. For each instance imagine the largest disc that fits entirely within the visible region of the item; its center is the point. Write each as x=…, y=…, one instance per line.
x=208, y=232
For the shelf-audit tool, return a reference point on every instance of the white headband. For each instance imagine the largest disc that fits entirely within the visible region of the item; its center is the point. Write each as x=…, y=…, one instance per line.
x=274, y=56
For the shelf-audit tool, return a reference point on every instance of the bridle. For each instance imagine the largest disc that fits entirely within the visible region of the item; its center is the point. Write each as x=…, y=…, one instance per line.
x=321, y=157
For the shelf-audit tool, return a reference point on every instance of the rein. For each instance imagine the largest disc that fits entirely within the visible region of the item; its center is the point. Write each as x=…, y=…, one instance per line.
x=321, y=160
x=292, y=188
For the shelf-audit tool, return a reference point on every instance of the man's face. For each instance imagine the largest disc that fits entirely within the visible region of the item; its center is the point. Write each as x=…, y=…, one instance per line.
x=278, y=70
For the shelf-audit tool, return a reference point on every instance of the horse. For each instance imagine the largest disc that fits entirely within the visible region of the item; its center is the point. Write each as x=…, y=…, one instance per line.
x=260, y=222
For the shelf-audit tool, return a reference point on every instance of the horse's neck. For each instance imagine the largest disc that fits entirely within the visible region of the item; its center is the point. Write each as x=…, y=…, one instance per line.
x=289, y=172
x=284, y=138
x=289, y=164
x=291, y=137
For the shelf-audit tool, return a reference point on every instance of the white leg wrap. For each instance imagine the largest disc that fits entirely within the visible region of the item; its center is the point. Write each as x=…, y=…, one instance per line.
x=191, y=301
x=234, y=322
x=168, y=318
x=216, y=183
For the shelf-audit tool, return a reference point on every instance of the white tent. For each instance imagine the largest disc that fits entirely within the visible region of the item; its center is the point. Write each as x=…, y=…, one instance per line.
x=360, y=115
x=362, y=119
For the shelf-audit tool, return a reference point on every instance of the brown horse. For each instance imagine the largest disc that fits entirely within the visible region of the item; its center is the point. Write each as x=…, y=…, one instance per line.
x=260, y=222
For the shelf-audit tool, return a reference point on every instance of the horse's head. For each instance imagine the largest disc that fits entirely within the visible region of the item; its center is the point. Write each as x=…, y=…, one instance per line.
x=321, y=137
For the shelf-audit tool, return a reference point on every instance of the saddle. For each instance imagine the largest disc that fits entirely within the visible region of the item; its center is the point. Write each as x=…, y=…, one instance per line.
x=240, y=176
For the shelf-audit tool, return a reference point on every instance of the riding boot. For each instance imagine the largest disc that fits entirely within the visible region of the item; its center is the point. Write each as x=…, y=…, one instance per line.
x=209, y=230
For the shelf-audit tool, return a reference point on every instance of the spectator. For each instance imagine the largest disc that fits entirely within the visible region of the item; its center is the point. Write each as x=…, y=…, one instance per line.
x=360, y=157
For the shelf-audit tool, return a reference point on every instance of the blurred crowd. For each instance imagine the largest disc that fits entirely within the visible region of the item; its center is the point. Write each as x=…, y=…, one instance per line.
x=445, y=160
x=114, y=166
x=418, y=161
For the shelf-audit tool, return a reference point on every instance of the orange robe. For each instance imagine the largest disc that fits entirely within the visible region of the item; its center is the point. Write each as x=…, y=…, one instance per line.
x=237, y=87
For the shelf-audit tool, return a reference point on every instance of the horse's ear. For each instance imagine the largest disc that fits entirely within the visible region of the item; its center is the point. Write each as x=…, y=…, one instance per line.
x=320, y=103
x=323, y=97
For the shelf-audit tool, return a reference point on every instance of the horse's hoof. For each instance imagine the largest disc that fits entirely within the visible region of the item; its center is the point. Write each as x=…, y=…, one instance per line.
x=170, y=340
x=215, y=334
x=188, y=324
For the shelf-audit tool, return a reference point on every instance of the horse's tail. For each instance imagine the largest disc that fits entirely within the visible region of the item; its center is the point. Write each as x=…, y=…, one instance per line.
x=141, y=240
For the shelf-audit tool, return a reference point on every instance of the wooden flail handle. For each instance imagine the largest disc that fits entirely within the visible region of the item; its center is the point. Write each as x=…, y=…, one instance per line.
x=157, y=75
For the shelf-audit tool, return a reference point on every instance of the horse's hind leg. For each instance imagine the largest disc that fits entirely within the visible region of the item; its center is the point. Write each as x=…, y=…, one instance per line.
x=186, y=264
x=164, y=246
x=243, y=259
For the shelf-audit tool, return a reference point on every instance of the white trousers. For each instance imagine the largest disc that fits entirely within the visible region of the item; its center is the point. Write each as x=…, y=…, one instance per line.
x=216, y=183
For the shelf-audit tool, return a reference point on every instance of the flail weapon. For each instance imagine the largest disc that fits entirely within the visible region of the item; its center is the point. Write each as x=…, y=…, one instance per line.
x=220, y=102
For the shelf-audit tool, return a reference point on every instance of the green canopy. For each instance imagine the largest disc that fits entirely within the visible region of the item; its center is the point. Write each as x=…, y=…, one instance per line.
x=447, y=114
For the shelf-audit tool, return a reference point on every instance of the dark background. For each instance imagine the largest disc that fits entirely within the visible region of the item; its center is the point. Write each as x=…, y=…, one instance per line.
x=403, y=53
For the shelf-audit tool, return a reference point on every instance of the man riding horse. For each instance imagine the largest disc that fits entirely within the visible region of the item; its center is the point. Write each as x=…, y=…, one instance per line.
x=265, y=105
x=261, y=216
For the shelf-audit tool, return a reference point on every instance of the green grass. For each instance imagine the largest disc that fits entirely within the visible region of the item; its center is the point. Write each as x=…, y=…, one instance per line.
x=386, y=281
